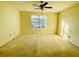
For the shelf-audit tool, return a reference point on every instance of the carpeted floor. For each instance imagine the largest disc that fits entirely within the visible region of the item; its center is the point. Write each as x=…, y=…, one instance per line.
x=38, y=45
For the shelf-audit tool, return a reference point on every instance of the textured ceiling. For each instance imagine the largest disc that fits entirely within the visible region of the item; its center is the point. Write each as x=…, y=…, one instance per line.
x=57, y=5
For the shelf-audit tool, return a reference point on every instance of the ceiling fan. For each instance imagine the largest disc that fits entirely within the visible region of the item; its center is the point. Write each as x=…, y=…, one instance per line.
x=42, y=5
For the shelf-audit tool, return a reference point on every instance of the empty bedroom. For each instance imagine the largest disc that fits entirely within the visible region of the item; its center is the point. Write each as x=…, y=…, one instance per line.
x=39, y=28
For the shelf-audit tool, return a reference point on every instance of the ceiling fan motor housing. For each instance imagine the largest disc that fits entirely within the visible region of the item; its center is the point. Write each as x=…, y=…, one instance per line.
x=42, y=5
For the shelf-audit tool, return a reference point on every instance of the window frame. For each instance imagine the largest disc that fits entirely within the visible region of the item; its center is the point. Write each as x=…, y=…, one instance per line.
x=39, y=22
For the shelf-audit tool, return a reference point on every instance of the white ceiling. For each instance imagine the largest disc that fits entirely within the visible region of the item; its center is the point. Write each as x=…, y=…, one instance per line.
x=57, y=5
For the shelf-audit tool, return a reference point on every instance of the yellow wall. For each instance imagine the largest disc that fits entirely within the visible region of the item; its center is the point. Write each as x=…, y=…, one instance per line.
x=71, y=17
x=25, y=19
x=9, y=23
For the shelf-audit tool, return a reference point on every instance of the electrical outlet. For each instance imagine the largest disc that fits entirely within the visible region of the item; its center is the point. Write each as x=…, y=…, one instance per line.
x=69, y=36
x=10, y=35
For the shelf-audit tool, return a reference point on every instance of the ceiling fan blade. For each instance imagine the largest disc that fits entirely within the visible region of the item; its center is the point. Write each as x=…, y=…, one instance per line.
x=47, y=7
x=35, y=5
x=36, y=8
x=44, y=4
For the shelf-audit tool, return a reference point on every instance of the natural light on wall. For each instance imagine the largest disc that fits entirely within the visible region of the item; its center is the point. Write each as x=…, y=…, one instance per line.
x=64, y=30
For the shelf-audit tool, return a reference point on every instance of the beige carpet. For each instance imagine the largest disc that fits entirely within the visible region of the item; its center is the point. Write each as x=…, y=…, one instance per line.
x=39, y=45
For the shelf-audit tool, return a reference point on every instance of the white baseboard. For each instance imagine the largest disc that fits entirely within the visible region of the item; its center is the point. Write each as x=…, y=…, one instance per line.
x=5, y=42
x=73, y=43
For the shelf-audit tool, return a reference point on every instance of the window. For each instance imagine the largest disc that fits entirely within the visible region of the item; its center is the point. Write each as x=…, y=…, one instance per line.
x=42, y=22
x=38, y=22
x=34, y=22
